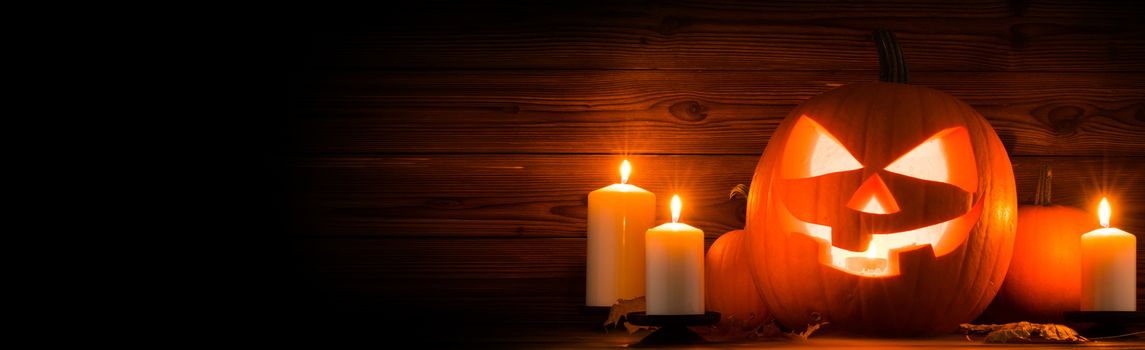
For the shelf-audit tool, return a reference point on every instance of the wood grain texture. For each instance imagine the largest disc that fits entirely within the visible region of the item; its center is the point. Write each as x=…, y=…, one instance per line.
x=504, y=195
x=470, y=279
x=788, y=35
x=441, y=153
x=681, y=112
x=545, y=195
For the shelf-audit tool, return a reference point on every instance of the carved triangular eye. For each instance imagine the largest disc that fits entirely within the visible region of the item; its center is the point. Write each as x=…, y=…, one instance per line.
x=945, y=157
x=829, y=156
x=813, y=151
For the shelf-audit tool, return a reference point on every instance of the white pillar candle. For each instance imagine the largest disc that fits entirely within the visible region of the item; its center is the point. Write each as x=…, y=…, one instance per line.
x=675, y=266
x=618, y=216
x=1108, y=267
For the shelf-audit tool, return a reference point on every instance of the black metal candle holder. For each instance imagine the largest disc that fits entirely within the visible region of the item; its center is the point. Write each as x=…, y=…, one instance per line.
x=673, y=328
x=1106, y=323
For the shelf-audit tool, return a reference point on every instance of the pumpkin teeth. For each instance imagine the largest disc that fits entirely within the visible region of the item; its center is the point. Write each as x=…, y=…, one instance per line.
x=881, y=245
x=907, y=240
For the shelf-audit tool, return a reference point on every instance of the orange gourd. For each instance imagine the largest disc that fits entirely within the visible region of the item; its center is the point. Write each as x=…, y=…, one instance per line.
x=730, y=289
x=1045, y=274
x=884, y=208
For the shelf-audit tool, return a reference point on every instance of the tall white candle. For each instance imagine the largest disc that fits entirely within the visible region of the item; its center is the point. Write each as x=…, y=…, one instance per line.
x=618, y=216
x=675, y=267
x=1108, y=267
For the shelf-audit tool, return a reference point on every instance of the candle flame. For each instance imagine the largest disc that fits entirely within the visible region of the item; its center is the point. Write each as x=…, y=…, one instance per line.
x=625, y=169
x=871, y=249
x=1103, y=212
x=676, y=208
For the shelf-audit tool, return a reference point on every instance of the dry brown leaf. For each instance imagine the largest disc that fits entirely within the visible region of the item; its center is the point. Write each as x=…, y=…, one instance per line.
x=1057, y=332
x=631, y=328
x=733, y=329
x=1008, y=334
x=1002, y=333
x=811, y=328
x=624, y=307
x=771, y=330
x=767, y=330
x=739, y=191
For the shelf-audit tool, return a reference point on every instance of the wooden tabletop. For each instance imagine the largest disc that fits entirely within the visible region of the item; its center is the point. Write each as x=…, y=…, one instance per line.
x=581, y=337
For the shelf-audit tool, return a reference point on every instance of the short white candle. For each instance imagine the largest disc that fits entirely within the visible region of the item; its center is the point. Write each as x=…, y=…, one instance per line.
x=1108, y=267
x=618, y=217
x=675, y=267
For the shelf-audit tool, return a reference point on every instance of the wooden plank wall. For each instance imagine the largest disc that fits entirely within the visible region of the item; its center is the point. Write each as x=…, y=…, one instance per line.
x=441, y=154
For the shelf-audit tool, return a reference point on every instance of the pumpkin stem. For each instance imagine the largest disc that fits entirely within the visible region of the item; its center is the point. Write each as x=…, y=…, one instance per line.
x=1045, y=181
x=739, y=191
x=892, y=66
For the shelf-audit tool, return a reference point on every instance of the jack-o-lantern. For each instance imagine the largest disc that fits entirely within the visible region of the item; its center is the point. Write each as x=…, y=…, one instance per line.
x=884, y=208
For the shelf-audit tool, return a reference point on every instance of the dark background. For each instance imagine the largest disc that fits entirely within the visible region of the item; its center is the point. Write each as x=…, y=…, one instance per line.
x=431, y=163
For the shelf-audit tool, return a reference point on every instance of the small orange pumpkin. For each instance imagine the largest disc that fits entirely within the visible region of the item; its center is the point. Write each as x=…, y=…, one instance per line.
x=1045, y=274
x=730, y=289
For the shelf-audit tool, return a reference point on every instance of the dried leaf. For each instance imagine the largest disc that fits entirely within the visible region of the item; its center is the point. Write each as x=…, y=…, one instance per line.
x=1048, y=332
x=811, y=328
x=741, y=325
x=1057, y=332
x=1008, y=334
x=768, y=330
x=631, y=328
x=978, y=328
x=771, y=330
x=733, y=329
x=624, y=307
x=739, y=191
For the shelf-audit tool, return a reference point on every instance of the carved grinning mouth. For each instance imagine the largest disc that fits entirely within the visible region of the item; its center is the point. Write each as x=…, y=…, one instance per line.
x=943, y=238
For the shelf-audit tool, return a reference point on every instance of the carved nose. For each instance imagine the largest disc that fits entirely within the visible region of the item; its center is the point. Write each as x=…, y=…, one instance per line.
x=873, y=197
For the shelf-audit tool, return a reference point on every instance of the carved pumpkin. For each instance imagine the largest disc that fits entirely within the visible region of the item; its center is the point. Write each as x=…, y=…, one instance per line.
x=1044, y=279
x=730, y=289
x=885, y=208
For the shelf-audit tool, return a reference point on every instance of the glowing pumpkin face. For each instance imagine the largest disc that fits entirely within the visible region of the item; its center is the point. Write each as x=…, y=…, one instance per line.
x=861, y=218
x=885, y=208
